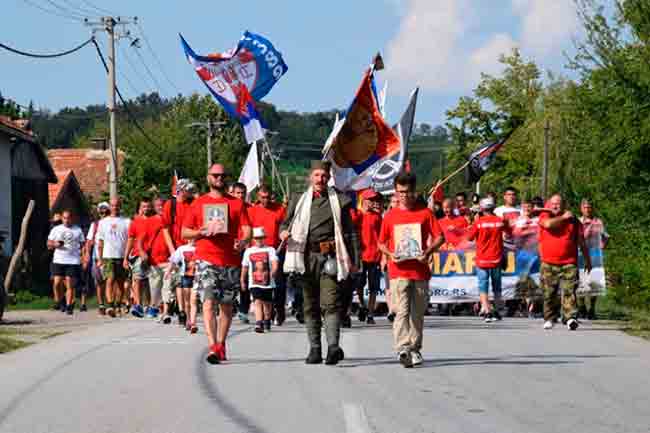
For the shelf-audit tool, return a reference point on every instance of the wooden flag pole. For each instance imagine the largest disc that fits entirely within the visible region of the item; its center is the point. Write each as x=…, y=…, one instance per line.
x=446, y=179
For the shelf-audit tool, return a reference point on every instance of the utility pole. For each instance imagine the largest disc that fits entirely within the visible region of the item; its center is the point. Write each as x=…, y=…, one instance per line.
x=209, y=126
x=108, y=24
x=547, y=128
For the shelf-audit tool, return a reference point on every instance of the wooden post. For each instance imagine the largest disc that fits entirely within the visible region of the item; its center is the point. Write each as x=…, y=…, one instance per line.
x=21, y=245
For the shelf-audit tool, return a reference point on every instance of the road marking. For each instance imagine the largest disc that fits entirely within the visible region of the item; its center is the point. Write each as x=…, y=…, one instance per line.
x=355, y=418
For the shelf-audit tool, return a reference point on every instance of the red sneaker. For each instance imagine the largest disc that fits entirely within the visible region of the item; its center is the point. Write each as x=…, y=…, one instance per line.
x=214, y=354
x=222, y=352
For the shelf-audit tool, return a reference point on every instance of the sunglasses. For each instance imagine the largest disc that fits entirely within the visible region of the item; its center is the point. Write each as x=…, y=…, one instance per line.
x=217, y=175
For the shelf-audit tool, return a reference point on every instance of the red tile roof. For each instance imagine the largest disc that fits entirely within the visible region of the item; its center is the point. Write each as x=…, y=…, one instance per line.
x=90, y=167
x=54, y=188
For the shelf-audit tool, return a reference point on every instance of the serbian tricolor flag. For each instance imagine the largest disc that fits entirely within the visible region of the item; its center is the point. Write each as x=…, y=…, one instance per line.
x=363, y=138
x=239, y=77
x=481, y=159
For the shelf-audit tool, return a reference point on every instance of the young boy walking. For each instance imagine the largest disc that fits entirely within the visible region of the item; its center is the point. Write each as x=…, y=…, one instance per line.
x=259, y=269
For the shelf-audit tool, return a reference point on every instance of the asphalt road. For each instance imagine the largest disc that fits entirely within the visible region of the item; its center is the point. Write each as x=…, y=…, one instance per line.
x=139, y=376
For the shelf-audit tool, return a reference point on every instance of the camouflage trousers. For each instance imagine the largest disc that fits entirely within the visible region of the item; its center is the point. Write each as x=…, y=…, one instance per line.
x=323, y=299
x=559, y=281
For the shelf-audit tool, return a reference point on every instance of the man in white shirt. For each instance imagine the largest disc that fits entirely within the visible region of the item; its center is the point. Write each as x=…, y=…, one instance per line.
x=112, y=235
x=66, y=240
x=509, y=210
x=92, y=255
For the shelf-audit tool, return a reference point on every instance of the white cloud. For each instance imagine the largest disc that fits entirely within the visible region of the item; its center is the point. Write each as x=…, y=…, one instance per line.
x=431, y=49
x=546, y=24
x=423, y=50
x=486, y=58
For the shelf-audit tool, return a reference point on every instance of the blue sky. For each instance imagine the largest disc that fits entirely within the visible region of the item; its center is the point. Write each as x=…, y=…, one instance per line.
x=441, y=45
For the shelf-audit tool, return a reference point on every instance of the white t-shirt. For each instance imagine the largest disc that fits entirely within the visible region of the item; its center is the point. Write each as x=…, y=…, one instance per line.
x=258, y=260
x=91, y=236
x=182, y=257
x=507, y=212
x=114, y=231
x=73, y=239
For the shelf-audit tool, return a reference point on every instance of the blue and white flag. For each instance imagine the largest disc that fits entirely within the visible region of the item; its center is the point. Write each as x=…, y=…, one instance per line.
x=241, y=76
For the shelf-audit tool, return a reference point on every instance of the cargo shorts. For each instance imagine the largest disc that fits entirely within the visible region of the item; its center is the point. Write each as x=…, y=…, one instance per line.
x=216, y=283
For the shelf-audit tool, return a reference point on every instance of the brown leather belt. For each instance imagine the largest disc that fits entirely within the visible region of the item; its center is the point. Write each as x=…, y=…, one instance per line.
x=324, y=247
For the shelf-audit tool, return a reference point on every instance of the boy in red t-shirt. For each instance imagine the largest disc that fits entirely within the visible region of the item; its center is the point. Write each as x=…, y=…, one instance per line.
x=488, y=230
x=215, y=221
x=560, y=236
x=409, y=235
x=369, y=226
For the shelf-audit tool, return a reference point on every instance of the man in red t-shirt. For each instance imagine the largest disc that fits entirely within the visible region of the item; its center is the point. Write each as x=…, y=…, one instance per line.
x=215, y=221
x=370, y=225
x=560, y=236
x=488, y=230
x=409, y=235
x=270, y=215
x=154, y=251
x=240, y=190
x=132, y=259
x=453, y=226
x=173, y=214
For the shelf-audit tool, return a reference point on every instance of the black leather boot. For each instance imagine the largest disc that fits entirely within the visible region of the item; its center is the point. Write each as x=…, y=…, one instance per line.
x=334, y=355
x=315, y=356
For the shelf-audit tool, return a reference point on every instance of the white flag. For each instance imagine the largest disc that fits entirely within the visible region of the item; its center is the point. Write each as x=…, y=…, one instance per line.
x=382, y=100
x=250, y=173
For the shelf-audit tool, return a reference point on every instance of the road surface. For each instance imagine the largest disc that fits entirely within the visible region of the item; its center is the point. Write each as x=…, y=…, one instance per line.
x=134, y=375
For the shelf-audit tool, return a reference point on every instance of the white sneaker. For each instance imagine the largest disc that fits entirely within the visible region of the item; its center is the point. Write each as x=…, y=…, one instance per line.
x=416, y=358
x=572, y=324
x=548, y=324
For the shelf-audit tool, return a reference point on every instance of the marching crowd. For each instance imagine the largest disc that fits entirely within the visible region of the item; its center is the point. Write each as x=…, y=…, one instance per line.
x=217, y=254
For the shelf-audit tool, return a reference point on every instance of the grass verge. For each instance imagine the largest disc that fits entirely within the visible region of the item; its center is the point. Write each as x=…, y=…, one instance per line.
x=9, y=342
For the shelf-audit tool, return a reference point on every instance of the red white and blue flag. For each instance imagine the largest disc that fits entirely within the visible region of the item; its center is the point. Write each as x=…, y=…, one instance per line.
x=481, y=159
x=239, y=77
x=361, y=139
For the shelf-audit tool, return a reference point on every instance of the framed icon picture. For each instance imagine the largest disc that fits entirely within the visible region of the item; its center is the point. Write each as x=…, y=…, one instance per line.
x=408, y=242
x=216, y=216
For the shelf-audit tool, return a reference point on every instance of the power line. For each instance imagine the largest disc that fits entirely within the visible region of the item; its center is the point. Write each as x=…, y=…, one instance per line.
x=82, y=10
x=129, y=113
x=137, y=72
x=155, y=56
x=100, y=10
x=151, y=75
x=52, y=12
x=66, y=10
x=46, y=56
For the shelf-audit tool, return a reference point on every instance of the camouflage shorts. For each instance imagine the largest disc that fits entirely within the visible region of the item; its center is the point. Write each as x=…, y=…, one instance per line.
x=139, y=269
x=217, y=283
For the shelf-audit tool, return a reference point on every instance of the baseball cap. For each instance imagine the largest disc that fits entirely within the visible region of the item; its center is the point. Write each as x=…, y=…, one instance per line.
x=369, y=194
x=103, y=205
x=185, y=185
x=487, y=203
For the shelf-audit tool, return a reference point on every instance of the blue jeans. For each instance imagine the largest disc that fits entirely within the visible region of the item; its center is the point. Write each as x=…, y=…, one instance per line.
x=484, y=277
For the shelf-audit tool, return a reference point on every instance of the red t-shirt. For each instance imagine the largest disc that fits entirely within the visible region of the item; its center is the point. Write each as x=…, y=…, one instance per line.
x=270, y=218
x=370, y=226
x=454, y=228
x=488, y=231
x=182, y=209
x=559, y=246
x=218, y=249
x=137, y=230
x=154, y=241
x=398, y=221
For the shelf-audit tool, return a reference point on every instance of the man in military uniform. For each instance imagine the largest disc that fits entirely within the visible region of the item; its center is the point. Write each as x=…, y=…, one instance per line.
x=311, y=234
